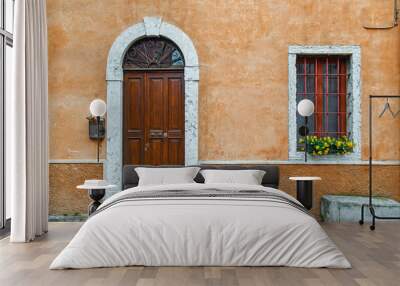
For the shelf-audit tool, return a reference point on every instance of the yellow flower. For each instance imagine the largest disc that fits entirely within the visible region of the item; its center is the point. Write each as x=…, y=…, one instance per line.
x=319, y=152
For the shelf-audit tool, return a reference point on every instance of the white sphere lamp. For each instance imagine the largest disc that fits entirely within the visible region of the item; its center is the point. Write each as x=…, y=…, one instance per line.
x=305, y=107
x=98, y=108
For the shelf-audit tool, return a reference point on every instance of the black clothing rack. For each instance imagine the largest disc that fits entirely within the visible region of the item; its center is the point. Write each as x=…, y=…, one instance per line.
x=370, y=204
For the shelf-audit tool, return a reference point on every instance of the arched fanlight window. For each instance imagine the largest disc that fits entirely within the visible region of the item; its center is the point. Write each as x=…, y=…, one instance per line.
x=153, y=52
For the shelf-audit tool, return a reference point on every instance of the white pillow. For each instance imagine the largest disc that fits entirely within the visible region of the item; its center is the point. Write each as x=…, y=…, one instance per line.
x=166, y=176
x=248, y=177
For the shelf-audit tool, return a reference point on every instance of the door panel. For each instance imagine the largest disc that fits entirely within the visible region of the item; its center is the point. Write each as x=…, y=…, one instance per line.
x=174, y=151
x=134, y=104
x=176, y=120
x=175, y=102
x=154, y=118
x=155, y=102
x=154, y=153
x=133, y=149
x=133, y=127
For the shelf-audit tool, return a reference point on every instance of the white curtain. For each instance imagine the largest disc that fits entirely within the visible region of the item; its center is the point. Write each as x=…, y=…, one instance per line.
x=27, y=151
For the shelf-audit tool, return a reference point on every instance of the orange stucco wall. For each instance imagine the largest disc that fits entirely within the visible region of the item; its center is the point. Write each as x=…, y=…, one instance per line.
x=243, y=97
x=346, y=180
x=243, y=54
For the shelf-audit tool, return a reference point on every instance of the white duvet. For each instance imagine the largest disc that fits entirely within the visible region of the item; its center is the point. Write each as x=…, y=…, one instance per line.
x=200, y=231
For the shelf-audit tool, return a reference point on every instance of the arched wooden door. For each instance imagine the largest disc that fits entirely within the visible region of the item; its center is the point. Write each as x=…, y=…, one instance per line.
x=154, y=104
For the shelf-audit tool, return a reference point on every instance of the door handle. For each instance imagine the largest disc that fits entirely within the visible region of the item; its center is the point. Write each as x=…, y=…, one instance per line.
x=146, y=147
x=165, y=134
x=158, y=134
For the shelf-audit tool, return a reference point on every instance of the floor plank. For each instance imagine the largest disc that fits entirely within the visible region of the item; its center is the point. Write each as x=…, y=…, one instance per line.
x=375, y=257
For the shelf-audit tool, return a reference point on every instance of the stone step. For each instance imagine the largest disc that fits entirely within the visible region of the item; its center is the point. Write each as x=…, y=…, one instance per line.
x=68, y=218
x=348, y=208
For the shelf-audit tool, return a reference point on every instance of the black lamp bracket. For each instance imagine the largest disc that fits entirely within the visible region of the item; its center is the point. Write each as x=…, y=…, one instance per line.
x=93, y=126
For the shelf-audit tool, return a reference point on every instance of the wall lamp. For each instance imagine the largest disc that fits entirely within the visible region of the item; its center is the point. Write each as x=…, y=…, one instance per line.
x=97, y=127
x=305, y=108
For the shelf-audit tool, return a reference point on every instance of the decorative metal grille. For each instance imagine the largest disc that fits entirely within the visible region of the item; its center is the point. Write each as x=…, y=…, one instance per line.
x=153, y=52
x=323, y=80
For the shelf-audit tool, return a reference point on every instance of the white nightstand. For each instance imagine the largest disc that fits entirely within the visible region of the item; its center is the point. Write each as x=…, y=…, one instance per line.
x=96, y=190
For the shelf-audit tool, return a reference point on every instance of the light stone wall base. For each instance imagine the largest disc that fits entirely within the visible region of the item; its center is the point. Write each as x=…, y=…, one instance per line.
x=348, y=208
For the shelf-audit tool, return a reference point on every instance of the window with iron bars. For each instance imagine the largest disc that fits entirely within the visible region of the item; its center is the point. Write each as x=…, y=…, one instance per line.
x=323, y=80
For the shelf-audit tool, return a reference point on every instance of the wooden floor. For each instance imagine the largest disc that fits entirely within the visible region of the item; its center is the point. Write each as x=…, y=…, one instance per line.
x=375, y=257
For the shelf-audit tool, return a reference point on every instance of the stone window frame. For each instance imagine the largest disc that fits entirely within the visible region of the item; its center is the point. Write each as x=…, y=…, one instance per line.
x=354, y=85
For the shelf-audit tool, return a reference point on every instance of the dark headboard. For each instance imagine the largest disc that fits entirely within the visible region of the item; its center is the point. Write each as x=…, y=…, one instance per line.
x=130, y=178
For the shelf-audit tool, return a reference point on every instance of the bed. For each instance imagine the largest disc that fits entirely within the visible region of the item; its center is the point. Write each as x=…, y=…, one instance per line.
x=197, y=224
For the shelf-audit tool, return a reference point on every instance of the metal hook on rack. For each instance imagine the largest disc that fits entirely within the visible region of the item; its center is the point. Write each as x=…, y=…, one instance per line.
x=387, y=107
x=370, y=204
